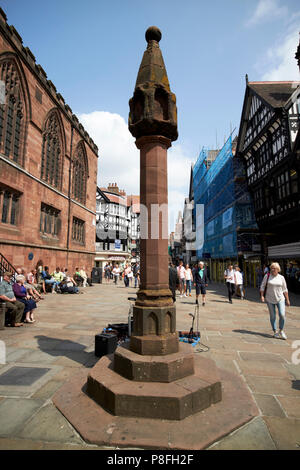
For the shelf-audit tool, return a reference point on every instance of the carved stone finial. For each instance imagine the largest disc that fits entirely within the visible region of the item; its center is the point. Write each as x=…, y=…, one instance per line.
x=153, y=106
x=153, y=34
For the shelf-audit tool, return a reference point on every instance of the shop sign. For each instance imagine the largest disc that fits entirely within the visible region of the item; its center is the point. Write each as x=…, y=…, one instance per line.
x=116, y=258
x=117, y=244
x=256, y=247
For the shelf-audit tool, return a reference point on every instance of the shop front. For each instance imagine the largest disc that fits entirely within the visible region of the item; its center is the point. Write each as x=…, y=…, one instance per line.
x=288, y=256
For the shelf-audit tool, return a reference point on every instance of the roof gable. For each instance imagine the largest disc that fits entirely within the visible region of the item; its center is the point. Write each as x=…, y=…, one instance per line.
x=276, y=94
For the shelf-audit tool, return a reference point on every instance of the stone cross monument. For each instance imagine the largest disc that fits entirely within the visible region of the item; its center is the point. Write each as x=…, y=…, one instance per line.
x=155, y=377
x=150, y=392
x=153, y=121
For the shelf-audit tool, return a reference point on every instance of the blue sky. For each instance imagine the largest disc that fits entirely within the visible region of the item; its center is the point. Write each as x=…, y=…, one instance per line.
x=92, y=51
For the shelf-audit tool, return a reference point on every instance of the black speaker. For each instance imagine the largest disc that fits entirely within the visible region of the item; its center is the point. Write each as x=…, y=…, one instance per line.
x=96, y=275
x=105, y=344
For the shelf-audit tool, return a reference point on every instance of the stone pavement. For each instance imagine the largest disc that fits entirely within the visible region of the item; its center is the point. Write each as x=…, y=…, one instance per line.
x=42, y=357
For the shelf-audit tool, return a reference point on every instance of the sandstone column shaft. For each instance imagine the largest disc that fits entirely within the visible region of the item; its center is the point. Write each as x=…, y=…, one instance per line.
x=154, y=200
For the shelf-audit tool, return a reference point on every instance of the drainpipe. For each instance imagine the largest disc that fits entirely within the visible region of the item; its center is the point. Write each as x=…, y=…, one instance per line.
x=69, y=196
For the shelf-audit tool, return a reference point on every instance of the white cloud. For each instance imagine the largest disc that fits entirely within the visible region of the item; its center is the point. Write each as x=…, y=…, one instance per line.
x=118, y=156
x=267, y=10
x=179, y=169
x=119, y=159
x=279, y=62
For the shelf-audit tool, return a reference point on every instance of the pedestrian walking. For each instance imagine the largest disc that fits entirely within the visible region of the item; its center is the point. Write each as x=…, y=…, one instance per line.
x=181, y=277
x=107, y=273
x=127, y=270
x=230, y=282
x=200, y=282
x=238, y=278
x=136, y=274
x=130, y=276
x=116, y=273
x=274, y=292
x=188, y=280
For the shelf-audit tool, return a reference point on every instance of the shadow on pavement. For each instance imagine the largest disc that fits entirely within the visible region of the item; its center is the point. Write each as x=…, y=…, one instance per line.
x=255, y=333
x=65, y=348
x=252, y=294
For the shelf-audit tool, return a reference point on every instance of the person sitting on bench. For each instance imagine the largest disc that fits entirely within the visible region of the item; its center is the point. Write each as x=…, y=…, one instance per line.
x=14, y=308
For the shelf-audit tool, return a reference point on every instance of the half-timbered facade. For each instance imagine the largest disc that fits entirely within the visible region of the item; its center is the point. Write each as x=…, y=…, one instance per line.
x=267, y=142
x=117, y=226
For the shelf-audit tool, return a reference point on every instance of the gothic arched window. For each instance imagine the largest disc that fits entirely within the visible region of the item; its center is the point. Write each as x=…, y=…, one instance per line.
x=52, y=151
x=12, y=112
x=80, y=174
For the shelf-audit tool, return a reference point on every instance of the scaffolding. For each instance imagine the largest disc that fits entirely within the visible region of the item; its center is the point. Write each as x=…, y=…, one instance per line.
x=221, y=188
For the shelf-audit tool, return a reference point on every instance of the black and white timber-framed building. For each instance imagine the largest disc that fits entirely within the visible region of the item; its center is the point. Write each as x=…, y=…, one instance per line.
x=268, y=142
x=117, y=226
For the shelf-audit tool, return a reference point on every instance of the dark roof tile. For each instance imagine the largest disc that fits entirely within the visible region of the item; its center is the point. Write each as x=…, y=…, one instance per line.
x=274, y=93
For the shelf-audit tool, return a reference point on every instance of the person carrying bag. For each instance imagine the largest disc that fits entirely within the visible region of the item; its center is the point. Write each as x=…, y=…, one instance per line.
x=274, y=291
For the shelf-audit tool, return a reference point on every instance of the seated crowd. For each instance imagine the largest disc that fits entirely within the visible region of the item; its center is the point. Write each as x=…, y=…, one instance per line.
x=22, y=291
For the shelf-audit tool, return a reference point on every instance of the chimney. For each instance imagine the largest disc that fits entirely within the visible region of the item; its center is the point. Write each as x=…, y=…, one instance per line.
x=113, y=188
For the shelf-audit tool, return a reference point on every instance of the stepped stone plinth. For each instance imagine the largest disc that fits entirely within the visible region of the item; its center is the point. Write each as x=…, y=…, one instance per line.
x=168, y=398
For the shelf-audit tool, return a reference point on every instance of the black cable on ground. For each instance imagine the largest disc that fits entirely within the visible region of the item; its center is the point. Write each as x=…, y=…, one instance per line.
x=197, y=350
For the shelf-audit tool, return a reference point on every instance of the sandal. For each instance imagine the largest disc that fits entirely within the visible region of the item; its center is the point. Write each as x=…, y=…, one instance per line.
x=28, y=321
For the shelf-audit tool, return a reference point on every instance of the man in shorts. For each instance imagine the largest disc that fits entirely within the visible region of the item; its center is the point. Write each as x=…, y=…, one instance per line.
x=200, y=282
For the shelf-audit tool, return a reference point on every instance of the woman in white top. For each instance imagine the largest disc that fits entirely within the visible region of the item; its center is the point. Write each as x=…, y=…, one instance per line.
x=188, y=280
x=181, y=276
x=238, y=278
x=116, y=273
x=230, y=282
x=274, y=291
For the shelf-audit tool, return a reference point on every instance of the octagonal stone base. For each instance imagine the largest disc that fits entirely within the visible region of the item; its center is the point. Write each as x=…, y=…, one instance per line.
x=198, y=431
x=175, y=400
x=154, y=368
x=154, y=345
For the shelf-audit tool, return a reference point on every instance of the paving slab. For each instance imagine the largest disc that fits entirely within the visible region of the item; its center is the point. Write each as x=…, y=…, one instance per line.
x=39, y=357
x=294, y=370
x=263, y=369
x=265, y=357
x=291, y=406
x=47, y=390
x=13, y=354
x=23, y=376
x=269, y=405
x=272, y=385
x=14, y=413
x=49, y=425
x=26, y=384
x=252, y=436
x=284, y=432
